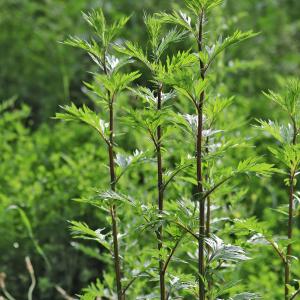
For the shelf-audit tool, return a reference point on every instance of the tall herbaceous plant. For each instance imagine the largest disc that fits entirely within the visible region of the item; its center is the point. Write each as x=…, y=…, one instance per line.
x=107, y=85
x=180, y=252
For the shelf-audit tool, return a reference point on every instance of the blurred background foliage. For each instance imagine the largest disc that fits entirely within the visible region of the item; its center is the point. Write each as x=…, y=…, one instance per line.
x=44, y=164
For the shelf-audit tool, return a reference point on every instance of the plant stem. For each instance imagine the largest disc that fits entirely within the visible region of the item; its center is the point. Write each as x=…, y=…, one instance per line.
x=287, y=269
x=289, y=235
x=201, y=267
x=113, y=208
x=207, y=234
x=208, y=211
x=172, y=253
x=208, y=216
x=160, y=187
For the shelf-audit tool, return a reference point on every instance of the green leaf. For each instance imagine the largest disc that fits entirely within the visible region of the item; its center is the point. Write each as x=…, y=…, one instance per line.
x=289, y=101
x=134, y=51
x=117, y=82
x=169, y=175
x=150, y=97
x=86, y=116
x=93, y=291
x=250, y=225
x=251, y=165
x=189, y=87
x=124, y=162
x=213, y=108
x=178, y=61
x=97, y=20
x=221, y=45
x=289, y=155
x=113, y=63
x=197, y=6
x=176, y=18
x=112, y=197
x=106, y=33
x=147, y=119
x=81, y=230
x=173, y=36
x=284, y=134
x=221, y=251
x=153, y=25
x=91, y=47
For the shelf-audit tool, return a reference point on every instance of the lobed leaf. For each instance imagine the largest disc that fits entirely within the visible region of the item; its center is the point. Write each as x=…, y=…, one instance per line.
x=284, y=134
x=85, y=115
x=82, y=231
x=134, y=51
x=289, y=101
x=221, y=45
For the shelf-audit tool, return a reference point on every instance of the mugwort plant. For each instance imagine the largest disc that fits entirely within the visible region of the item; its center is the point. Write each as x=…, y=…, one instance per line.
x=183, y=256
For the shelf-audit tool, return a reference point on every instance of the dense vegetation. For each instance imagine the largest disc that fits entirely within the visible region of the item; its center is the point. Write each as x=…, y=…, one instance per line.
x=175, y=175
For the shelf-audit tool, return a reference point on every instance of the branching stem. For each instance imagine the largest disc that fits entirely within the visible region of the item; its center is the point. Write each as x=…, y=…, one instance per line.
x=171, y=254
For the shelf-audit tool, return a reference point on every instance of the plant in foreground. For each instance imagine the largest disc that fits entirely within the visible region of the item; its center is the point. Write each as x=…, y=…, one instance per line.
x=155, y=117
x=107, y=86
x=186, y=72
x=196, y=86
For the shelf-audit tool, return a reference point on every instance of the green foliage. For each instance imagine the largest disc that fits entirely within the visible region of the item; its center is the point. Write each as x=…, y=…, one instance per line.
x=86, y=116
x=35, y=202
x=93, y=291
x=106, y=34
x=252, y=165
x=223, y=252
x=290, y=101
x=289, y=155
x=220, y=46
x=82, y=231
x=44, y=166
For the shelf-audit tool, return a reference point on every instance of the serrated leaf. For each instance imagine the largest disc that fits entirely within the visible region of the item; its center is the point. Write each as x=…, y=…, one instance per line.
x=117, y=82
x=82, y=231
x=252, y=165
x=134, y=51
x=85, y=115
x=289, y=101
x=284, y=134
x=221, y=45
x=112, y=196
x=180, y=19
